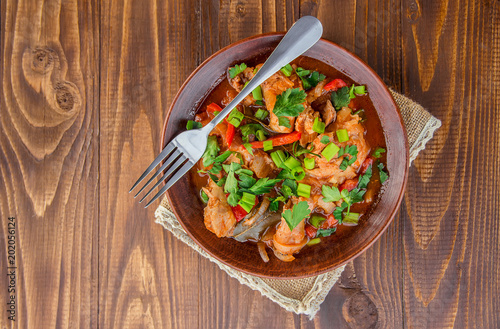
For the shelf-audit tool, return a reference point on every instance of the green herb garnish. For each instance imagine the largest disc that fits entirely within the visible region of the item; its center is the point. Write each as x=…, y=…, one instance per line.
x=383, y=175
x=211, y=151
x=289, y=104
x=296, y=215
x=340, y=98
x=237, y=69
x=378, y=152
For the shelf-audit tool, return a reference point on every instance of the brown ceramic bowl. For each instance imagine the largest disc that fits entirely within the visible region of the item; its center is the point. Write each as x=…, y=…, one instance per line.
x=325, y=256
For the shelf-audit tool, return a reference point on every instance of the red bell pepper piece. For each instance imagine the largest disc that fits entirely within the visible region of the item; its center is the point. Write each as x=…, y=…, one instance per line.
x=212, y=107
x=335, y=84
x=278, y=140
x=311, y=231
x=330, y=222
x=349, y=184
x=239, y=212
x=368, y=162
x=230, y=134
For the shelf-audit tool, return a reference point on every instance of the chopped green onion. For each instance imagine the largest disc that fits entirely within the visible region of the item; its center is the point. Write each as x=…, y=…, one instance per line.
x=330, y=151
x=287, y=70
x=261, y=103
x=216, y=112
x=304, y=190
x=360, y=90
x=314, y=241
x=193, y=125
x=247, y=201
x=298, y=173
x=260, y=135
x=291, y=163
x=204, y=196
x=278, y=158
x=351, y=92
x=351, y=218
x=342, y=135
x=248, y=198
x=309, y=163
x=268, y=145
x=318, y=126
x=235, y=117
x=316, y=220
x=261, y=114
x=255, y=70
x=257, y=93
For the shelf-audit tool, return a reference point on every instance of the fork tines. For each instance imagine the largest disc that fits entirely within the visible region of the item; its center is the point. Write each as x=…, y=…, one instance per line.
x=175, y=159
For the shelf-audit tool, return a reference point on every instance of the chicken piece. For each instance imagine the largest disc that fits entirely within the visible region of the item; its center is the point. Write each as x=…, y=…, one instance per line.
x=304, y=124
x=260, y=162
x=271, y=88
x=238, y=82
x=218, y=215
x=316, y=92
x=328, y=113
x=288, y=242
x=330, y=170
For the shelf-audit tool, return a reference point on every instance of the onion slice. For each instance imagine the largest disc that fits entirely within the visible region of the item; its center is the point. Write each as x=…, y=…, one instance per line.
x=262, y=251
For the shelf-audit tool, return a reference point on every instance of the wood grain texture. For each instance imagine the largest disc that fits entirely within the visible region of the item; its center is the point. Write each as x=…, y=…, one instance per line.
x=85, y=87
x=449, y=247
x=141, y=284
x=49, y=160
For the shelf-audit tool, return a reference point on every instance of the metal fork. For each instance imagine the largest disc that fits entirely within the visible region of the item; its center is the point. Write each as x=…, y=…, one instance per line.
x=188, y=147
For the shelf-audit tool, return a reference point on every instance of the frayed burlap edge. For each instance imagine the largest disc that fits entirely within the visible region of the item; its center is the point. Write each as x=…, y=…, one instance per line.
x=309, y=305
x=420, y=126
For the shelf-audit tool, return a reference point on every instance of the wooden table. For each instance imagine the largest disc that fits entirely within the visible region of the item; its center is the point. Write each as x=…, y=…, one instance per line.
x=85, y=87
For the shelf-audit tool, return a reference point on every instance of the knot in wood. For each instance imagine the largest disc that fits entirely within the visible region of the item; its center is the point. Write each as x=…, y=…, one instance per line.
x=240, y=10
x=64, y=97
x=413, y=12
x=360, y=312
x=42, y=60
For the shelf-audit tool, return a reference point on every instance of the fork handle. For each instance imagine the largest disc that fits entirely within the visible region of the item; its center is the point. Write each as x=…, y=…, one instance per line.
x=301, y=36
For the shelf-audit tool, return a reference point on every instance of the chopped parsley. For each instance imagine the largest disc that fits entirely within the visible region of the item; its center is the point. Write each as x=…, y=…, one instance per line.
x=309, y=79
x=289, y=104
x=296, y=215
x=378, y=152
x=365, y=179
x=325, y=140
x=383, y=175
x=340, y=98
x=237, y=69
x=325, y=232
x=352, y=151
x=263, y=185
x=289, y=188
x=251, y=129
x=211, y=151
x=331, y=194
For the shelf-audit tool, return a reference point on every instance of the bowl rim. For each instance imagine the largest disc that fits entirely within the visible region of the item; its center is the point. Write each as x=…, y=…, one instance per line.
x=377, y=234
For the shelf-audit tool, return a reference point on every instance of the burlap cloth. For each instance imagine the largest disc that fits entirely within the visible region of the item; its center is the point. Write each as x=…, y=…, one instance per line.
x=304, y=296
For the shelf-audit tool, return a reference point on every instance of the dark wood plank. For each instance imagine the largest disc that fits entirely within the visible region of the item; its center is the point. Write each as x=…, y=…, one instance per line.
x=451, y=225
x=224, y=302
x=49, y=151
x=370, y=29
x=146, y=277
